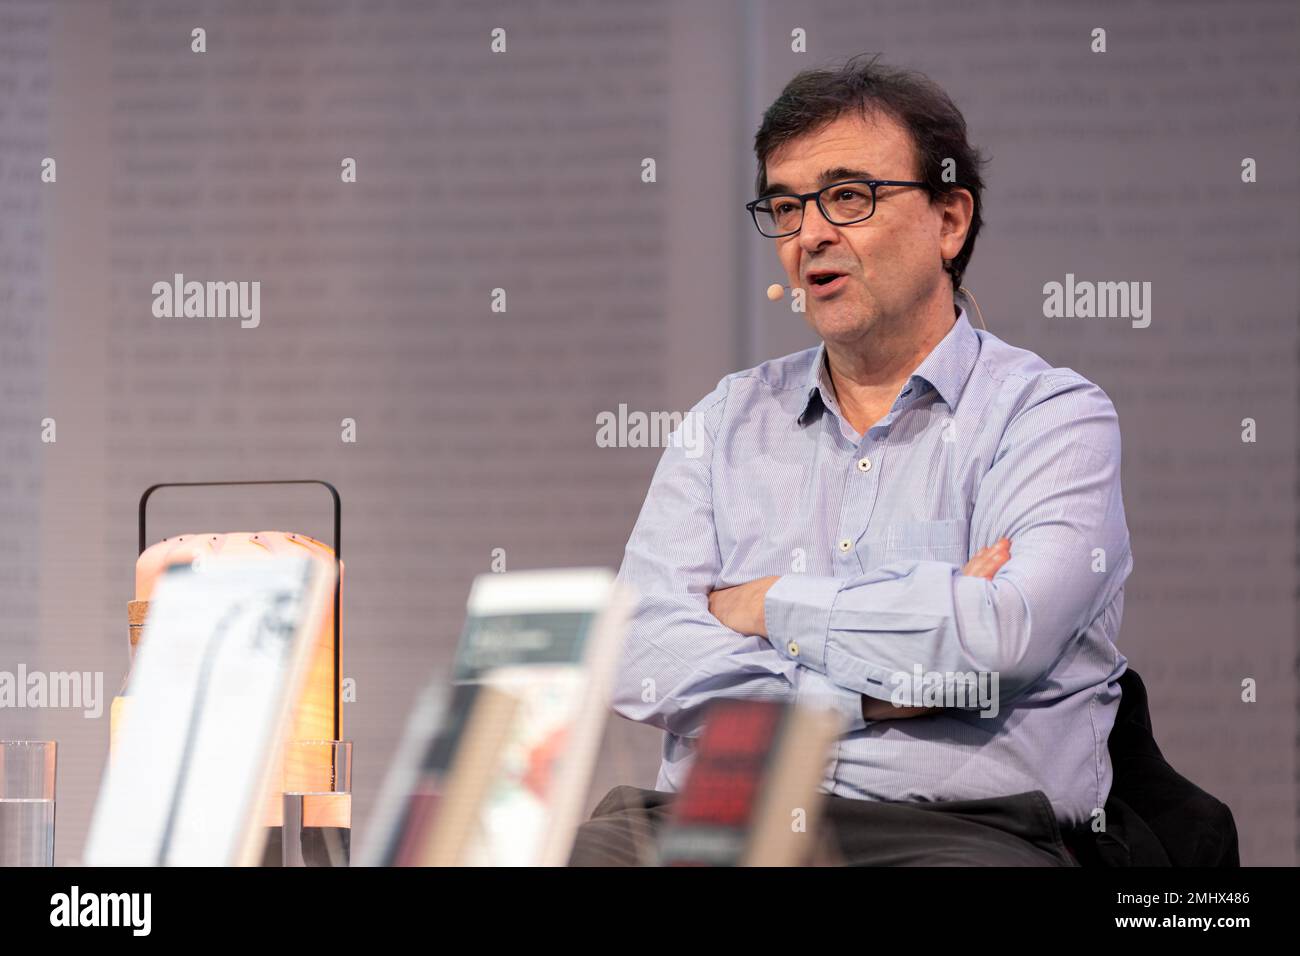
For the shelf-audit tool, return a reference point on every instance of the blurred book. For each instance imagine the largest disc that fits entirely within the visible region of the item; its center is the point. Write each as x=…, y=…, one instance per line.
x=224, y=654
x=753, y=796
x=415, y=768
x=496, y=771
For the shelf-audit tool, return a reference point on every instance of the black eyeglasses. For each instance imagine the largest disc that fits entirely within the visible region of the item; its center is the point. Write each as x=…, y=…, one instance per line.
x=842, y=204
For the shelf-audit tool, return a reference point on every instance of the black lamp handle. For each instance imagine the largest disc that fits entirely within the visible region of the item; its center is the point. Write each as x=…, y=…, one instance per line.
x=334, y=493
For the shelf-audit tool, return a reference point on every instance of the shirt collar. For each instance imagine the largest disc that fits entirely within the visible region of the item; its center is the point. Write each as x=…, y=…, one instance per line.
x=945, y=369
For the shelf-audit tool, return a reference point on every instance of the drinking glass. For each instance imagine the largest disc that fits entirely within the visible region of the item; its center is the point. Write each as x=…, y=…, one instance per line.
x=27, y=779
x=317, y=803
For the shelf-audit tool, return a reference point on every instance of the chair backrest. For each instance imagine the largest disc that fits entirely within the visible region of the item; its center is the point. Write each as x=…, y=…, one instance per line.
x=1156, y=814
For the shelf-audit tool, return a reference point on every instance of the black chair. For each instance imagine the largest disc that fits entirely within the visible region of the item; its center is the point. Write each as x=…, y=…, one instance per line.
x=1154, y=815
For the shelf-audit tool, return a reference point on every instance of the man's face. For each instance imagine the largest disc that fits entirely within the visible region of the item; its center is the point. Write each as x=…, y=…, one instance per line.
x=893, y=262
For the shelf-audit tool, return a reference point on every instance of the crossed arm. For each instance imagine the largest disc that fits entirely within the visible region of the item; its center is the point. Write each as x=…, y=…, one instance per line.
x=1050, y=498
x=742, y=608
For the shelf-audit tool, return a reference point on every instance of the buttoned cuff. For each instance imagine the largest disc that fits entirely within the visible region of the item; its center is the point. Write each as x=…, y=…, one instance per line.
x=817, y=691
x=797, y=613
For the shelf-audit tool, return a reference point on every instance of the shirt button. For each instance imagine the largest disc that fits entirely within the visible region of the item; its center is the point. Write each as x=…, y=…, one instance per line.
x=864, y=464
x=793, y=648
x=845, y=544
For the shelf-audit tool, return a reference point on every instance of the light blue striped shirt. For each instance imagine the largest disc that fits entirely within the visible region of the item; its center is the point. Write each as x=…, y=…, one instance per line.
x=869, y=532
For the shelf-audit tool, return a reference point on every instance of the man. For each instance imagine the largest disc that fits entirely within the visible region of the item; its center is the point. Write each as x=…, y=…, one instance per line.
x=908, y=505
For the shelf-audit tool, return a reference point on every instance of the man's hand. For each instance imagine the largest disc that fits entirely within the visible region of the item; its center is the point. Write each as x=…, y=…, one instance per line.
x=741, y=608
x=984, y=564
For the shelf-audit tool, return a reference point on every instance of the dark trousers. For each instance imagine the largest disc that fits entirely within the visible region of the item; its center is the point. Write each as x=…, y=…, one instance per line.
x=1017, y=830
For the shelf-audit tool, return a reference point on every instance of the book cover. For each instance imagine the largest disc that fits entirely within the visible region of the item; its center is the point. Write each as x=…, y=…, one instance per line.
x=753, y=794
x=224, y=654
x=547, y=641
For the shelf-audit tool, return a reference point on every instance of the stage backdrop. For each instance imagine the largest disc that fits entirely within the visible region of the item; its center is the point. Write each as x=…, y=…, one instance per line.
x=379, y=317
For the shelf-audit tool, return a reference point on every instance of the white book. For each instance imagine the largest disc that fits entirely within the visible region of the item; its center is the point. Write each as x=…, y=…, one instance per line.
x=552, y=640
x=223, y=656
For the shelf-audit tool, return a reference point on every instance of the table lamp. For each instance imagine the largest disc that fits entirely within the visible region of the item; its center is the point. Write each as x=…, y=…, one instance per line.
x=318, y=711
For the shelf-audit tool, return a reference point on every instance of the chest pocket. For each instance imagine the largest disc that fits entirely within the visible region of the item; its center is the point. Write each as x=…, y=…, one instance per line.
x=927, y=541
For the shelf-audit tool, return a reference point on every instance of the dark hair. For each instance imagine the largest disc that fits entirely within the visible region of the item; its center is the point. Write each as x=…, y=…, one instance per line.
x=815, y=98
